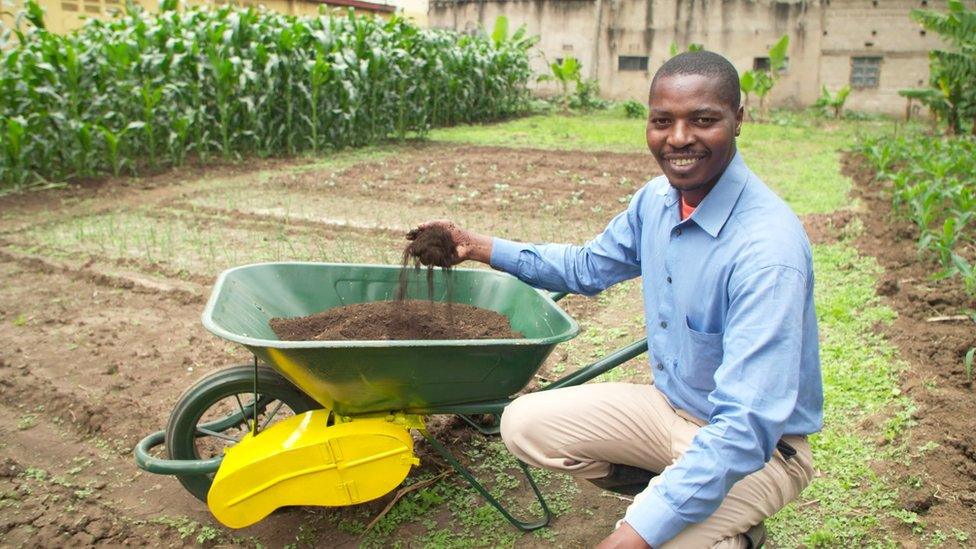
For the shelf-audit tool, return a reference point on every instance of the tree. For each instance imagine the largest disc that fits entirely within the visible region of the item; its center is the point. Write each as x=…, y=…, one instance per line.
x=951, y=95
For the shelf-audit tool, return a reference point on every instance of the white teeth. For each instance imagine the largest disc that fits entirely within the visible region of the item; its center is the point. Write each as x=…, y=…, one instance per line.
x=683, y=161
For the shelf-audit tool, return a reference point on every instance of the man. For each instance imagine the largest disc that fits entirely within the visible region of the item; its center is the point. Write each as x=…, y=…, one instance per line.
x=732, y=334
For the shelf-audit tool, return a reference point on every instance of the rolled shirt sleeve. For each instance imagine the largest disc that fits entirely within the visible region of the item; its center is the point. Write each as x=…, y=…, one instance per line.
x=756, y=389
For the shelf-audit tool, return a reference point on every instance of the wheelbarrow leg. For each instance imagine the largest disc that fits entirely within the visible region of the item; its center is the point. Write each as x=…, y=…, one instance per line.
x=525, y=526
x=492, y=429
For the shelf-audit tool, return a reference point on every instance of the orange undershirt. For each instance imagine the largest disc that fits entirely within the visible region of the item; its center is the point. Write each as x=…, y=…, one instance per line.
x=686, y=210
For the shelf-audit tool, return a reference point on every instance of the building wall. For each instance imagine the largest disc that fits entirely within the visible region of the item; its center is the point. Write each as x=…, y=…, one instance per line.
x=865, y=28
x=824, y=37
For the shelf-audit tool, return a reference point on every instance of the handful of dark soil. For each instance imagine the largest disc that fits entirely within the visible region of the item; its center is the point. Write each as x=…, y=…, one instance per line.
x=431, y=247
x=409, y=319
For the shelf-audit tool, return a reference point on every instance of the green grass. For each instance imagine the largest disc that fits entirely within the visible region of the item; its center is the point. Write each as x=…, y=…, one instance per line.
x=797, y=156
x=846, y=505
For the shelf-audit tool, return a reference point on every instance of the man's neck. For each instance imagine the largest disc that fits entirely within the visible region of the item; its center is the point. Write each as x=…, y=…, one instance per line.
x=694, y=197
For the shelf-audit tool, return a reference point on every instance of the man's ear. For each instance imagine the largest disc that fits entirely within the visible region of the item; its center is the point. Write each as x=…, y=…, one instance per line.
x=738, y=119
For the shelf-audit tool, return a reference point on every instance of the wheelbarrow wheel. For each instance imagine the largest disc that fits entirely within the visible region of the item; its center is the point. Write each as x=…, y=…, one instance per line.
x=216, y=412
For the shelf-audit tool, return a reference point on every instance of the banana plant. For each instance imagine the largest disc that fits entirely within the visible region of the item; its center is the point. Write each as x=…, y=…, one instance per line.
x=834, y=101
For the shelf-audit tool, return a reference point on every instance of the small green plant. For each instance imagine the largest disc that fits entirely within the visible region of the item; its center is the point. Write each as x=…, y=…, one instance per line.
x=20, y=320
x=635, y=109
x=566, y=73
x=26, y=421
x=34, y=473
x=587, y=96
x=968, y=362
x=761, y=82
x=910, y=519
x=834, y=102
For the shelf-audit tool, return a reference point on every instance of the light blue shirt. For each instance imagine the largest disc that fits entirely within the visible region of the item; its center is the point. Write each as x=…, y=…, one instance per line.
x=731, y=327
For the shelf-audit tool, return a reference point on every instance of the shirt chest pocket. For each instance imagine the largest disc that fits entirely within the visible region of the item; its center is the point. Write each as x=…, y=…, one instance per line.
x=699, y=357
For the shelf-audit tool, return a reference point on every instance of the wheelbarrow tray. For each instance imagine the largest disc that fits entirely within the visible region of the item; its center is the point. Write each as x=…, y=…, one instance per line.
x=356, y=377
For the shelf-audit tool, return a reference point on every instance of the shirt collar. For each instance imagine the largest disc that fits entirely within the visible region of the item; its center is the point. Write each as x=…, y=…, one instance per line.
x=712, y=213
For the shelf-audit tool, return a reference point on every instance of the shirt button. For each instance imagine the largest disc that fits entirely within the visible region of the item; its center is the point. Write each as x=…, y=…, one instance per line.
x=669, y=280
x=660, y=366
x=664, y=323
x=677, y=231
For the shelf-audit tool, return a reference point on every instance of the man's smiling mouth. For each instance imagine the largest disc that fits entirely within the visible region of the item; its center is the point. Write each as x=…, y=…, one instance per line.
x=683, y=161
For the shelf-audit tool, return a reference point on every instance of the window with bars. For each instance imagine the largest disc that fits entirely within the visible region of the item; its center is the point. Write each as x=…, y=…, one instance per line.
x=632, y=63
x=865, y=72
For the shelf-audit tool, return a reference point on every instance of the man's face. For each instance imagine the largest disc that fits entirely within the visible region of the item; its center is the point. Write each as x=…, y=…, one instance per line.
x=691, y=130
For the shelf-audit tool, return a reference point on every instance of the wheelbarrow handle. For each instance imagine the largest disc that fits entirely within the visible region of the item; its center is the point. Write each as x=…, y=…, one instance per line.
x=160, y=466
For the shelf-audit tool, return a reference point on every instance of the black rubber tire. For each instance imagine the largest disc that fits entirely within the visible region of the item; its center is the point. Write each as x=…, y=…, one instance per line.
x=195, y=401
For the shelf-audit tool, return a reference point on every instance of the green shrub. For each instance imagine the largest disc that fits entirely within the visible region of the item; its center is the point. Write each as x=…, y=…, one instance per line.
x=587, y=96
x=635, y=109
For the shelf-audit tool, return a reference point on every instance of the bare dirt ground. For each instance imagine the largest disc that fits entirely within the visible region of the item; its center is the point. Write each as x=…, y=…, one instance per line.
x=104, y=285
x=933, y=336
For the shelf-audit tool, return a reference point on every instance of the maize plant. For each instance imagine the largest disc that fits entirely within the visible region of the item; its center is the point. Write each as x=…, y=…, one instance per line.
x=933, y=186
x=143, y=91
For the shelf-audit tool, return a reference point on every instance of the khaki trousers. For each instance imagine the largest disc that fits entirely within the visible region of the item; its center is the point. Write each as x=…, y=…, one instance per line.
x=582, y=430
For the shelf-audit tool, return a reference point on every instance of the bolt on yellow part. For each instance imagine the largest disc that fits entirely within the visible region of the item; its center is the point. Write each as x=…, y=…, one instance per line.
x=305, y=461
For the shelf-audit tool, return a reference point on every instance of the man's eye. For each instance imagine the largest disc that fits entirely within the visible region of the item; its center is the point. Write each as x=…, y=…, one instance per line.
x=660, y=122
x=704, y=121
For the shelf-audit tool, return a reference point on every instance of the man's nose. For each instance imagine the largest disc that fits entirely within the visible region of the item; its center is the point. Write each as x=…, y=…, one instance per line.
x=680, y=135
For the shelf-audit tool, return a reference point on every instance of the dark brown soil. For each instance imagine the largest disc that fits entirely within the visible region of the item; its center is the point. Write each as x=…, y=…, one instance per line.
x=402, y=320
x=933, y=335
x=431, y=247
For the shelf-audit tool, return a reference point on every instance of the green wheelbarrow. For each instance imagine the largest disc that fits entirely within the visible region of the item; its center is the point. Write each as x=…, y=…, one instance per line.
x=328, y=422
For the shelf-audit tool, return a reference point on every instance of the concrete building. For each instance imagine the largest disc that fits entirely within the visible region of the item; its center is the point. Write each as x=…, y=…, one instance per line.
x=873, y=45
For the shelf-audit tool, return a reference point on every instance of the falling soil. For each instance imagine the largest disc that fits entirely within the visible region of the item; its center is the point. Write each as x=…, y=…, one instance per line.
x=430, y=247
x=407, y=319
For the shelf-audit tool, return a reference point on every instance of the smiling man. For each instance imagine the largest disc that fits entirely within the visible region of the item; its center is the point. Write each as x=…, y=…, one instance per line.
x=717, y=443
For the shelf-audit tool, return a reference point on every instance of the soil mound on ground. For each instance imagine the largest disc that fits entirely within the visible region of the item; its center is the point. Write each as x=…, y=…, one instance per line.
x=407, y=319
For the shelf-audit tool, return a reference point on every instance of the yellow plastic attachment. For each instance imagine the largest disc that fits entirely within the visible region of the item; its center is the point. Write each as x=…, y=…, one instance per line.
x=302, y=461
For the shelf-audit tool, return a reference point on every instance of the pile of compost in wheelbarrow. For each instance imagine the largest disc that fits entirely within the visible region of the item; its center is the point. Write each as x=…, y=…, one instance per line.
x=409, y=319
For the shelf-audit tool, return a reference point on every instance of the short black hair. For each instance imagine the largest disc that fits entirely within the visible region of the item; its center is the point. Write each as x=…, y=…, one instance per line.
x=705, y=63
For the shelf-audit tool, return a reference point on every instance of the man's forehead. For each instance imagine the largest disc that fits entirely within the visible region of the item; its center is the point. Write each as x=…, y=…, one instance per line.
x=691, y=91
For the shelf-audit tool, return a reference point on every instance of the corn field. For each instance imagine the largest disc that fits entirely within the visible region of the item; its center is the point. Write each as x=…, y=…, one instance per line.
x=144, y=91
x=932, y=185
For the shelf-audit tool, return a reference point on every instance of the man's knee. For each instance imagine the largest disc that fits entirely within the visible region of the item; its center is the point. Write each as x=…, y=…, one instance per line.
x=516, y=424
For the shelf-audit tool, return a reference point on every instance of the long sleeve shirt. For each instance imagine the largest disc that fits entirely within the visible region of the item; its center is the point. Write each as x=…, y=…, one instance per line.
x=731, y=327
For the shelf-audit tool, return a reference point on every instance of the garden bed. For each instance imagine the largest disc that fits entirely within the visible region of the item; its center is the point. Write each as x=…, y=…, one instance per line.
x=933, y=333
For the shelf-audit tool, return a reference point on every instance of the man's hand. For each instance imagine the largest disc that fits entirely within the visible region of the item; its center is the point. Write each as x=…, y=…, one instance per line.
x=470, y=245
x=624, y=537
